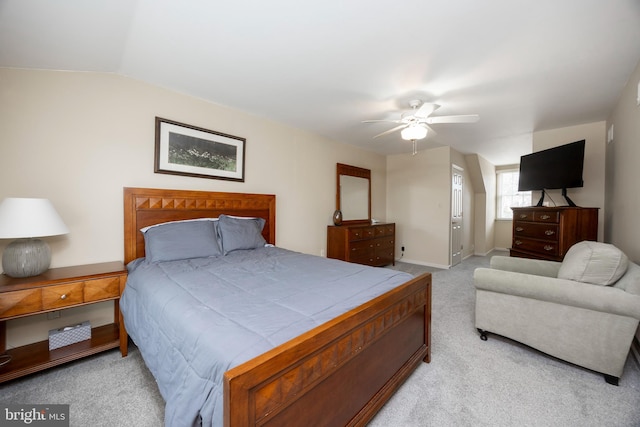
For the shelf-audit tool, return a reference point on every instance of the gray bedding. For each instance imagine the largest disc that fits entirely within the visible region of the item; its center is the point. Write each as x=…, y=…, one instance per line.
x=195, y=319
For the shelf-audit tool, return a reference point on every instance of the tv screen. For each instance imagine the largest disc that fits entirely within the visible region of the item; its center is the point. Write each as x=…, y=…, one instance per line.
x=554, y=168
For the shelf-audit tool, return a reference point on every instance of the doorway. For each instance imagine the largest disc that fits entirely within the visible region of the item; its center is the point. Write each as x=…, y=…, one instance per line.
x=457, y=182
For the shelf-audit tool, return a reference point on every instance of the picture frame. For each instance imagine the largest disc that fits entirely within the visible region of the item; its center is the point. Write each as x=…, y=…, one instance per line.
x=187, y=150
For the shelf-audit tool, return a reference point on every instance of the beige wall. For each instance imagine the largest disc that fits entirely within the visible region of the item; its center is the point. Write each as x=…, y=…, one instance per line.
x=79, y=138
x=592, y=194
x=623, y=172
x=483, y=175
x=503, y=233
x=418, y=201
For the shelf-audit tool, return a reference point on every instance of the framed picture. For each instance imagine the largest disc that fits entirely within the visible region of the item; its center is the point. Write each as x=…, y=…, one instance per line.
x=192, y=151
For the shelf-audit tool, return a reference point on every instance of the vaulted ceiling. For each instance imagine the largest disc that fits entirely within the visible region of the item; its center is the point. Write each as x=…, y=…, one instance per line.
x=326, y=66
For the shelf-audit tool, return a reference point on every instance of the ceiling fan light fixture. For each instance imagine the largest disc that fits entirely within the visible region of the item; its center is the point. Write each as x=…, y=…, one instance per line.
x=414, y=132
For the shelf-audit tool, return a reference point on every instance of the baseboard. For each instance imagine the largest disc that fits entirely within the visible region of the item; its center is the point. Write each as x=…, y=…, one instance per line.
x=492, y=250
x=426, y=264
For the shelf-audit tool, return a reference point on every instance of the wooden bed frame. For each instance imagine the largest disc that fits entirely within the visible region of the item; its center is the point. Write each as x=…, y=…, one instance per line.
x=339, y=373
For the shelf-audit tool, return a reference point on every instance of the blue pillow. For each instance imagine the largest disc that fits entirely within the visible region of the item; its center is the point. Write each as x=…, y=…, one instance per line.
x=240, y=233
x=177, y=240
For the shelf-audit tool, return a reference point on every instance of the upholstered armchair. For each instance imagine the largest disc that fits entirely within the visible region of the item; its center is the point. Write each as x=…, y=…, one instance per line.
x=584, y=310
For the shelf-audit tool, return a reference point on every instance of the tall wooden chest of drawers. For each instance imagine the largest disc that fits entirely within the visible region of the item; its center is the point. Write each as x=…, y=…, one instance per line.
x=549, y=232
x=369, y=244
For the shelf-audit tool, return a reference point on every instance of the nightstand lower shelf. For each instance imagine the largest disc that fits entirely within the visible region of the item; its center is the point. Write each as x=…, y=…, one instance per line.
x=36, y=357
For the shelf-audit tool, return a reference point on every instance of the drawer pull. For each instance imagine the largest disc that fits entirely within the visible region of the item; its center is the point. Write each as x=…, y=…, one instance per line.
x=549, y=232
x=519, y=229
x=63, y=296
x=518, y=242
x=523, y=216
x=545, y=216
x=548, y=247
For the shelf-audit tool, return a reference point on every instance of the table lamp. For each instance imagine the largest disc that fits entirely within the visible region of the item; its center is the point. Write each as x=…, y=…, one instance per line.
x=25, y=219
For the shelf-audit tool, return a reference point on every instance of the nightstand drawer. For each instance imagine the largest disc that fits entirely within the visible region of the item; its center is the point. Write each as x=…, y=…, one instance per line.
x=20, y=302
x=99, y=289
x=62, y=295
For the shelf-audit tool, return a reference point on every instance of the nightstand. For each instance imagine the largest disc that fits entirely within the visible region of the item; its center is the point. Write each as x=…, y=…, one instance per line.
x=57, y=289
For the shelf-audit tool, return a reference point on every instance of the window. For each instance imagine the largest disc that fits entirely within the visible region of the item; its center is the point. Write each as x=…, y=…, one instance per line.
x=507, y=194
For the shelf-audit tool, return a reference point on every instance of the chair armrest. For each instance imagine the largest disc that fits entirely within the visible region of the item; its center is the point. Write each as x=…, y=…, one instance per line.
x=560, y=291
x=526, y=265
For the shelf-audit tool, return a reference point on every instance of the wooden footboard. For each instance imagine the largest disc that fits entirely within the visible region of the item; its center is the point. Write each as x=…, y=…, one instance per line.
x=340, y=373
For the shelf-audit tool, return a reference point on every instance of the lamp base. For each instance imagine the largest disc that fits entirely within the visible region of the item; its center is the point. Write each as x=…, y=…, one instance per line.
x=26, y=258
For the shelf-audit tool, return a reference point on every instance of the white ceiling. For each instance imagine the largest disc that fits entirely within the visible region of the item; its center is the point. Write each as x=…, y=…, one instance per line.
x=327, y=65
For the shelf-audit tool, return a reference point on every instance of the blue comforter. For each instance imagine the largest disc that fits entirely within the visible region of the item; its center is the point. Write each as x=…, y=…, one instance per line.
x=195, y=319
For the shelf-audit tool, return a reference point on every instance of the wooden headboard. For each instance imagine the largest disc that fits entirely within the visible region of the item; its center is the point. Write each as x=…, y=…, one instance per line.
x=149, y=206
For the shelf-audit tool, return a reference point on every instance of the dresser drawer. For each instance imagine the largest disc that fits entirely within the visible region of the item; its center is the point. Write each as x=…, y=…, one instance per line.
x=536, y=230
x=539, y=246
x=361, y=249
x=384, y=256
x=370, y=244
x=99, y=289
x=546, y=216
x=385, y=230
x=523, y=215
x=384, y=243
x=62, y=295
x=361, y=233
x=20, y=302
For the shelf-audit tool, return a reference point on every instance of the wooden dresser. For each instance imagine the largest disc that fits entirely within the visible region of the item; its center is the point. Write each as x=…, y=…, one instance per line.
x=549, y=232
x=369, y=244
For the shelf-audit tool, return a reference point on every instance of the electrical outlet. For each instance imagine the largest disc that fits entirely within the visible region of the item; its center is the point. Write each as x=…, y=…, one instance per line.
x=402, y=249
x=53, y=315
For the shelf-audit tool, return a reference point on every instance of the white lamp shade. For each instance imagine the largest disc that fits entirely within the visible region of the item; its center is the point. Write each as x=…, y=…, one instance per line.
x=25, y=218
x=413, y=132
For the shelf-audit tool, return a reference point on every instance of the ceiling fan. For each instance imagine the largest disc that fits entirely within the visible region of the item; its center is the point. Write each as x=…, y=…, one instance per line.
x=414, y=125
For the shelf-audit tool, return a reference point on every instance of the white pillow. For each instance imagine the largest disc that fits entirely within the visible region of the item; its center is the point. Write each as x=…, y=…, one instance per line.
x=593, y=262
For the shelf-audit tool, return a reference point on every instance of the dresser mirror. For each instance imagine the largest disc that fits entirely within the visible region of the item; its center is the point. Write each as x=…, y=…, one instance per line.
x=353, y=196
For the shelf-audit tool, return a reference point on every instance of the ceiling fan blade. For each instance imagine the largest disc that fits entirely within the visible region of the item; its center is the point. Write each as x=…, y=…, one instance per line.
x=381, y=121
x=391, y=130
x=426, y=110
x=466, y=118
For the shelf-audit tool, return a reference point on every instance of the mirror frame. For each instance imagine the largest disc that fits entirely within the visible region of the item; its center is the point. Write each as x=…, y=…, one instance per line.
x=357, y=172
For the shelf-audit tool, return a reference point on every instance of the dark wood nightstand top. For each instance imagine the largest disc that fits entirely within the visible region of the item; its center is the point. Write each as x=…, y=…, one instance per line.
x=62, y=274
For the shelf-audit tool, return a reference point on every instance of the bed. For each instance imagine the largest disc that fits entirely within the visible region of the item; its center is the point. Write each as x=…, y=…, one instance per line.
x=338, y=372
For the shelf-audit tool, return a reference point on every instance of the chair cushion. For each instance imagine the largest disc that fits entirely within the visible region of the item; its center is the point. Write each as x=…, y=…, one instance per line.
x=593, y=262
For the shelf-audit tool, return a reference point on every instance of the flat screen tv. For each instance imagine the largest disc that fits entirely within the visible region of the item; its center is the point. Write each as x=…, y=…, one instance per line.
x=554, y=168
